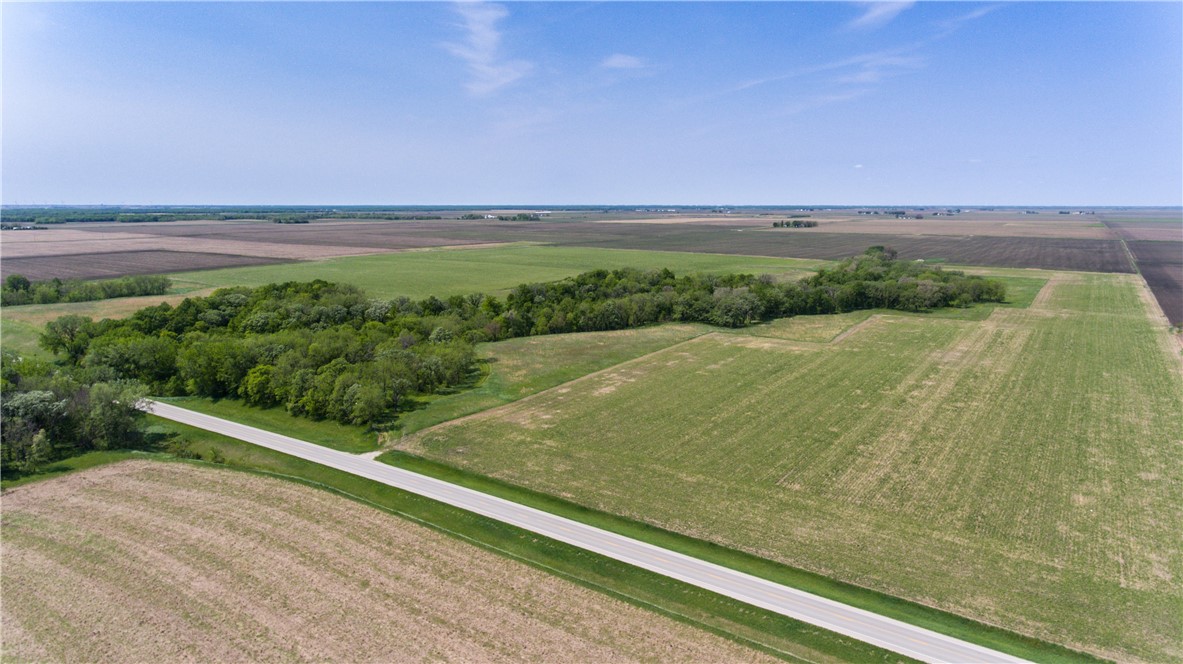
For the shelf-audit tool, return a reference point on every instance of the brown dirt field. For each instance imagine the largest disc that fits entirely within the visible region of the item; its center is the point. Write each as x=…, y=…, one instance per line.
x=148, y=561
x=370, y=236
x=122, y=263
x=1166, y=281
x=1164, y=228
x=1087, y=228
x=1033, y=252
x=1161, y=264
x=69, y=241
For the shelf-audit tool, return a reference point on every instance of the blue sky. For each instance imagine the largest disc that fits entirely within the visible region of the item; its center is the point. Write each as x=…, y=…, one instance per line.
x=1072, y=103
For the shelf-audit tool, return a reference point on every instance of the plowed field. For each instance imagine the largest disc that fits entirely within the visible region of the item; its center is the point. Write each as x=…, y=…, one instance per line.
x=144, y=561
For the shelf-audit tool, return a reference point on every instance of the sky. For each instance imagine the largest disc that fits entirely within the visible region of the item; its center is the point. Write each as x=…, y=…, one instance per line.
x=696, y=103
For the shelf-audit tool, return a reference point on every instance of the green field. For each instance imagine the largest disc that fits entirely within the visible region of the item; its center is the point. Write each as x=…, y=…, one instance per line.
x=494, y=270
x=21, y=337
x=520, y=367
x=1024, y=470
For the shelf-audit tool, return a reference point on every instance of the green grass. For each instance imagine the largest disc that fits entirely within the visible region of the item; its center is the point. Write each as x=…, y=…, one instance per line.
x=343, y=437
x=21, y=336
x=770, y=632
x=910, y=612
x=1010, y=470
x=812, y=329
x=492, y=270
x=520, y=367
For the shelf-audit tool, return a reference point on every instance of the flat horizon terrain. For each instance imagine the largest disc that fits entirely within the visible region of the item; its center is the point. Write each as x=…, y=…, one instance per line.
x=1148, y=240
x=1021, y=470
x=152, y=561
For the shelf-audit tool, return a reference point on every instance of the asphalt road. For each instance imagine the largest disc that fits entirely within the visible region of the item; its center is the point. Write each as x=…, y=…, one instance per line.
x=884, y=632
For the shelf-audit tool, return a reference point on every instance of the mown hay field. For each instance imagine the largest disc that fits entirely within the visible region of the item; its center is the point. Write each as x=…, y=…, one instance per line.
x=1025, y=470
x=491, y=270
x=149, y=561
x=517, y=368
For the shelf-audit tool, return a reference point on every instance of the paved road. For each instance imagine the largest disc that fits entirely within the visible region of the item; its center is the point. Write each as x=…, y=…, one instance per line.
x=872, y=628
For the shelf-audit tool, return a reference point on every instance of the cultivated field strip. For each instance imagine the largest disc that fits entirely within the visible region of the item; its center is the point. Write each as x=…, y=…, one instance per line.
x=122, y=263
x=1025, y=470
x=144, y=561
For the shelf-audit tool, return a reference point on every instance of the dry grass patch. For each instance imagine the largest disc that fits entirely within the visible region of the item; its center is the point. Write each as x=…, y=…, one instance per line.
x=146, y=561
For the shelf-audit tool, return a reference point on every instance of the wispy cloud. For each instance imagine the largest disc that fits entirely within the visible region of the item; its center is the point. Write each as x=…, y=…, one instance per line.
x=622, y=61
x=877, y=14
x=481, y=48
x=865, y=68
x=956, y=22
x=878, y=67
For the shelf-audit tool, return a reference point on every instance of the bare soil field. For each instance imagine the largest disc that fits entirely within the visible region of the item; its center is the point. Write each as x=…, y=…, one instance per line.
x=998, y=239
x=1155, y=238
x=111, y=238
x=1044, y=226
x=1166, y=282
x=1161, y=264
x=1034, y=252
x=122, y=263
x=1148, y=231
x=149, y=561
x=369, y=235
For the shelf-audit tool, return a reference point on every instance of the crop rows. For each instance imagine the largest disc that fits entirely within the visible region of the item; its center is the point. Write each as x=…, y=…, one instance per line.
x=1019, y=470
x=122, y=263
x=141, y=560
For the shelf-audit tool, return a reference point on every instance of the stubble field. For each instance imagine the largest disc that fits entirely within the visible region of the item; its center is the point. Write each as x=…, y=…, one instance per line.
x=1023, y=470
x=149, y=561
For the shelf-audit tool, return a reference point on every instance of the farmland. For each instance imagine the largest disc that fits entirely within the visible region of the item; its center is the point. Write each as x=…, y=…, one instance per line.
x=1045, y=253
x=1161, y=264
x=991, y=238
x=247, y=567
x=121, y=263
x=1012, y=470
x=520, y=367
x=490, y=270
x=1155, y=240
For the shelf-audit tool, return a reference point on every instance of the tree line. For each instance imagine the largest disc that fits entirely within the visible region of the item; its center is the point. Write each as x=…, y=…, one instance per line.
x=794, y=223
x=18, y=290
x=326, y=351
x=48, y=413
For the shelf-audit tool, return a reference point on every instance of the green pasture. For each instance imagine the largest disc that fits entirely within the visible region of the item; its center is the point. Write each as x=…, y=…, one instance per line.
x=1022, y=470
x=493, y=270
x=520, y=367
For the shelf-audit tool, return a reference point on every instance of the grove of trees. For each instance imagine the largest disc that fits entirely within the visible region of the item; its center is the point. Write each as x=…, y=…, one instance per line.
x=18, y=290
